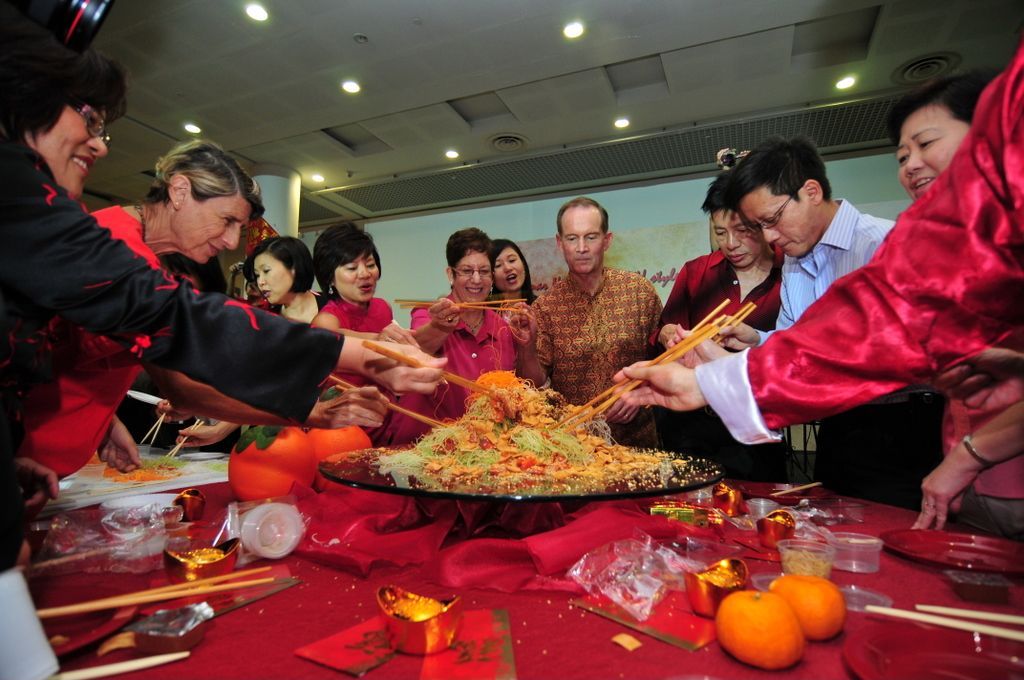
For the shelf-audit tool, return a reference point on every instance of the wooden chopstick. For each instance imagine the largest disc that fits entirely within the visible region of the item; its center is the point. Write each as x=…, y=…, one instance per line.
x=409, y=361
x=972, y=614
x=685, y=346
x=127, y=600
x=802, y=487
x=120, y=667
x=177, y=447
x=657, y=360
x=946, y=622
x=394, y=407
x=405, y=303
x=154, y=430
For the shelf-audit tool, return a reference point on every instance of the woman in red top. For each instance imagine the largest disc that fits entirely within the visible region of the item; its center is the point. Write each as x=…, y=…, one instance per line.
x=744, y=268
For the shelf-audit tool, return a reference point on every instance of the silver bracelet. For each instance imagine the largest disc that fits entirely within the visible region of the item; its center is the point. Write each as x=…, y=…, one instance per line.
x=969, y=446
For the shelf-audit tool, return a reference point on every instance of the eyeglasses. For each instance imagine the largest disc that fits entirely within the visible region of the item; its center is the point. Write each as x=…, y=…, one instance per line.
x=94, y=122
x=774, y=219
x=468, y=272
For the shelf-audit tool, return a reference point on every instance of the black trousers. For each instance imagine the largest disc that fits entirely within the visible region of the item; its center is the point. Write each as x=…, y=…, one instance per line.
x=701, y=433
x=882, y=452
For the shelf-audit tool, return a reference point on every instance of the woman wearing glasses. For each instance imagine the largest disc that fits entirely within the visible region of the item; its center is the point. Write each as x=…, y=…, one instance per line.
x=473, y=340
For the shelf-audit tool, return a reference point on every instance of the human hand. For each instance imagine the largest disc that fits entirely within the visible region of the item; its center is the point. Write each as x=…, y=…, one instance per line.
x=523, y=325
x=993, y=378
x=167, y=410
x=739, y=337
x=667, y=336
x=38, y=483
x=943, y=490
x=399, y=377
x=621, y=412
x=362, y=406
x=703, y=353
x=395, y=333
x=200, y=434
x=118, y=449
x=671, y=385
x=444, y=314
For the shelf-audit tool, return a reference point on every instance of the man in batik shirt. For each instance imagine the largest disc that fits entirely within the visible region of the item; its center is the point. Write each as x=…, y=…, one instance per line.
x=592, y=322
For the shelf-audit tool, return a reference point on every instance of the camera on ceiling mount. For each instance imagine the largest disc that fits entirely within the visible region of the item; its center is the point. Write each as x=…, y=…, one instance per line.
x=73, y=22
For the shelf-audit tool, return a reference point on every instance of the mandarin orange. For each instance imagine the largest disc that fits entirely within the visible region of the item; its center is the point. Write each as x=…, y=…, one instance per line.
x=327, y=443
x=267, y=459
x=759, y=629
x=817, y=602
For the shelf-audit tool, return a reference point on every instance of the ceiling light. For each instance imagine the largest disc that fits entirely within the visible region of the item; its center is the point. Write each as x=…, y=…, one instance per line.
x=846, y=83
x=193, y=128
x=573, y=30
x=256, y=12
x=621, y=122
x=350, y=86
x=451, y=153
x=317, y=177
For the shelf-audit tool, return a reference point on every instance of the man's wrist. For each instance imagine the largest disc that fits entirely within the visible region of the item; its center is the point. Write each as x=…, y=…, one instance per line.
x=968, y=444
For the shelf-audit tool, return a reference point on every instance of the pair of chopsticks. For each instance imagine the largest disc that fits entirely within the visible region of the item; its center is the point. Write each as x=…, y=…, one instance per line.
x=409, y=361
x=172, y=592
x=177, y=447
x=958, y=624
x=802, y=487
x=705, y=330
x=483, y=304
x=344, y=384
x=155, y=430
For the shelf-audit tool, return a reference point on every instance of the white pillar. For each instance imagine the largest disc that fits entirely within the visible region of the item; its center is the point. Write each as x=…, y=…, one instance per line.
x=281, y=189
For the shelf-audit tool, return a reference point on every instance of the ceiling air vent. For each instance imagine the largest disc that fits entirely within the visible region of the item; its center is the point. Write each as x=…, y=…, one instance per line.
x=508, y=142
x=918, y=70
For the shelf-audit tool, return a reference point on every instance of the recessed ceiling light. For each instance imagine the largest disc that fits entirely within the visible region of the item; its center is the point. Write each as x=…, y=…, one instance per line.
x=256, y=12
x=193, y=128
x=451, y=153
x=573, y=30
x=621, y=122
x=846, y=83
x=317, y=177
x=350, y=86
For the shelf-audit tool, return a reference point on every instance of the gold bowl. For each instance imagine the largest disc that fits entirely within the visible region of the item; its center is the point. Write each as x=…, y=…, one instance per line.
x=706, y=589
x=192, y=503
x=418, y=624
x=727, y=499
x=187, y=560
x=776, y=526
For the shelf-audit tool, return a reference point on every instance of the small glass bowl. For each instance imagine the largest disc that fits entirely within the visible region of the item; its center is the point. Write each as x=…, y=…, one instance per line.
x=806, y=558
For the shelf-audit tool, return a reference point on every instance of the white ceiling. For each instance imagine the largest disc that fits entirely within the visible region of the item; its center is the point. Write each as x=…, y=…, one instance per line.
x=456, y=73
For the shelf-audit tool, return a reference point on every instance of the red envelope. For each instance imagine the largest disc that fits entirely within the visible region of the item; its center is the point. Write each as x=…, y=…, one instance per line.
x=671, y=620
x=354, y=650
x=483, y=650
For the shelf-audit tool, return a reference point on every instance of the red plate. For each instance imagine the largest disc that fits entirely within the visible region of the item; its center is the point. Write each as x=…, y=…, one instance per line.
x=900, y=651
x=85, y=629
x=964, y=551
x=766, y=489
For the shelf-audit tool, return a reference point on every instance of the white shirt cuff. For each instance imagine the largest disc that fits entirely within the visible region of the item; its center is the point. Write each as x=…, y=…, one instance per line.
x=726, y=386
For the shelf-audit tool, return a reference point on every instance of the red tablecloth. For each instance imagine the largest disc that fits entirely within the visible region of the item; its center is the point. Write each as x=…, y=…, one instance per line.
x=550, y=637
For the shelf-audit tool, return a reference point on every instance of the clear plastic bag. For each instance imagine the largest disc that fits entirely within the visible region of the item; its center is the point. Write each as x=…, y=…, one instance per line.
x=268, y=529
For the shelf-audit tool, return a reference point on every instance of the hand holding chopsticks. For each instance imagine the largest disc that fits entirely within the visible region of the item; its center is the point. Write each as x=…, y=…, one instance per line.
x=410, y=361
x=394, y=407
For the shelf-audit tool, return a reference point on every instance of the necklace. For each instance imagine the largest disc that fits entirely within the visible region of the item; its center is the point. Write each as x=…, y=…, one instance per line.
x=475, y=327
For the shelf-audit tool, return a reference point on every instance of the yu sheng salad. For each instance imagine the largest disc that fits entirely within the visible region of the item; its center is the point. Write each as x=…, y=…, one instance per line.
x=507, y=442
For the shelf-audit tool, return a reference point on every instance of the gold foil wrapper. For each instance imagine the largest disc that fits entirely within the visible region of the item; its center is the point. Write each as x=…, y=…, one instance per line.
x=727, y=499
x=706, y=589
x=192, y=503
x=776, y=526
x=690, y=513
x=418, y=624
x=187, y=561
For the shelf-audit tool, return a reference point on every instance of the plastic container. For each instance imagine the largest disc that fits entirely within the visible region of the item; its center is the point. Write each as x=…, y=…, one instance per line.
x=856, y=552
x=837, y=511
x=806, y=558
x=272, y=530
x=759, y=507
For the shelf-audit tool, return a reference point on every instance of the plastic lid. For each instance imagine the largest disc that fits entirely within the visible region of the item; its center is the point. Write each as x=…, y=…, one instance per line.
x=763, y=581
x=272, y=530
x=857, y=598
